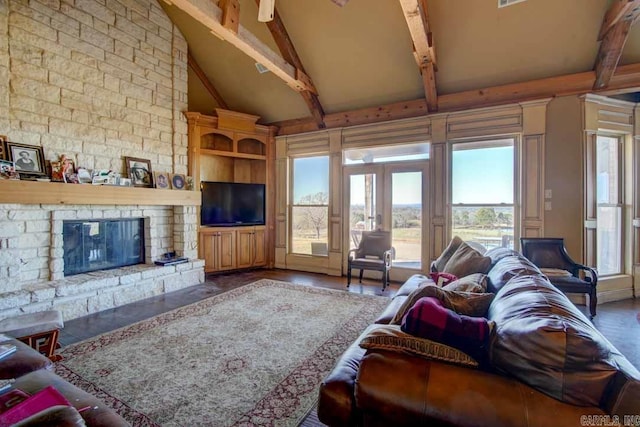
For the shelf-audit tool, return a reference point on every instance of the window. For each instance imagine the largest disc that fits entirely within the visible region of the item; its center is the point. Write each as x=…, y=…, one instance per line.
x=609, y=205
x=310, y=205
x=482, y=192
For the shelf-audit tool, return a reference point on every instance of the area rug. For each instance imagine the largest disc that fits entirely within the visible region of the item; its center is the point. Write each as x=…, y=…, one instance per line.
x=252, y=356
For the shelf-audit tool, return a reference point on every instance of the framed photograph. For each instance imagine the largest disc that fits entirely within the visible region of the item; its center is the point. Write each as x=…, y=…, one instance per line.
x=28, y=159
x=189, y=183
x=161, y=180
x=3, y=140
x=7, y=170
x=139, y=171
x=56, y=171
x=178, y=181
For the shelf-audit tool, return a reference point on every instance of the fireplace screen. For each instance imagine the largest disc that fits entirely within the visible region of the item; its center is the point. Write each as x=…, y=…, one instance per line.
x=102, y=244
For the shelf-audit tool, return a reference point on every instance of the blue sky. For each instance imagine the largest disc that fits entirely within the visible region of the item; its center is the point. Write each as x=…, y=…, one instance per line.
x=311, y=176
x=475, y=178
x=483, y=176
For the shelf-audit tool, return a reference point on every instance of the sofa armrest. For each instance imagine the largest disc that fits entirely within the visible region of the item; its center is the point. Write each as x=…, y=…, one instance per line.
x=59, y=416
x=23, y=361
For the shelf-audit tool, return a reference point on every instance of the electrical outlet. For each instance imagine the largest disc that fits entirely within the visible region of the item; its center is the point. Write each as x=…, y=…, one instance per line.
x=547, y=193
x=547, y=206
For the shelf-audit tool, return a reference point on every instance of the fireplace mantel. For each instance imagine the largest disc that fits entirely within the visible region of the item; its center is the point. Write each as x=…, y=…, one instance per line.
x=55, y=193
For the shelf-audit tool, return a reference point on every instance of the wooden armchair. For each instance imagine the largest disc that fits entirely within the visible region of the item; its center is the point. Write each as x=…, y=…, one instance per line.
x=373, y=253
x=549, y=252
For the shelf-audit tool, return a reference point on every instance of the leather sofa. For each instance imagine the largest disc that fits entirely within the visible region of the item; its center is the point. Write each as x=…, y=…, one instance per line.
x=33, y=372
x=548, y=366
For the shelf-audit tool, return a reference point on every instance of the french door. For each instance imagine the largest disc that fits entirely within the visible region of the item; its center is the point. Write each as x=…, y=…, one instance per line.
x=392, y=197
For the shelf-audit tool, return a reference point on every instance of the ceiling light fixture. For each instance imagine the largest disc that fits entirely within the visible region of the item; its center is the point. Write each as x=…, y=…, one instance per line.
x=265, y=11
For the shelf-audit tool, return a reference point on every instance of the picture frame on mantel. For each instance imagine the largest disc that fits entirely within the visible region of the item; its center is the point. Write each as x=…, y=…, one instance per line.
x=139, y=171
x=3, y=154
x=28, y=160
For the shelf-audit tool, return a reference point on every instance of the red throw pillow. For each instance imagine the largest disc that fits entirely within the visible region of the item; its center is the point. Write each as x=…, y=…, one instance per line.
x=442, y=279
x=429, y=319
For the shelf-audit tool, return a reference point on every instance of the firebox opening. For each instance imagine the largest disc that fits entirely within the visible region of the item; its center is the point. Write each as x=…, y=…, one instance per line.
x=102, y=244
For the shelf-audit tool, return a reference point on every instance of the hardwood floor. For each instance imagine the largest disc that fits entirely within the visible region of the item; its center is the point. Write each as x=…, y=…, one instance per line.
x=618, y=321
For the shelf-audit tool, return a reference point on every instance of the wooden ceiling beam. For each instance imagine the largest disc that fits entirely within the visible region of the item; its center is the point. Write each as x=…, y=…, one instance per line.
x=340, y=2
x=614, y=33
x=289, y=53
x=210, y=15
x=205, y=81
x=416, y=15
x=625, y=79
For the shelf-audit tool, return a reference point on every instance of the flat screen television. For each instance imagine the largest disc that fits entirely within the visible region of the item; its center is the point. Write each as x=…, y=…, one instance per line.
x=232, y=204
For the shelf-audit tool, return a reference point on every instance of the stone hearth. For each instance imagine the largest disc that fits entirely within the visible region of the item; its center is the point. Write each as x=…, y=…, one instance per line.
x=32, y=263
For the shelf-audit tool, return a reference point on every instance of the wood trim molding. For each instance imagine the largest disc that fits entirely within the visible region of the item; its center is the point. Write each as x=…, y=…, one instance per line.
x=625, y=79
x=54, y=193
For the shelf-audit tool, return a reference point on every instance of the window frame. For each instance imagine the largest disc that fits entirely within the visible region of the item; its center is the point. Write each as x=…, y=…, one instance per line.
x=291, y=205
x=488, y=142
x=620, y=197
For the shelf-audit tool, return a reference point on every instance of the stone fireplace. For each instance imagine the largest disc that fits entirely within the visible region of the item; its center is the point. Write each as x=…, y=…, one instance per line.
x=32, y=258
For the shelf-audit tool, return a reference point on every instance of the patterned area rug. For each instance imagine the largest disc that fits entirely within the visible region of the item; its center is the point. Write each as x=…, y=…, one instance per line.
x=252, y=356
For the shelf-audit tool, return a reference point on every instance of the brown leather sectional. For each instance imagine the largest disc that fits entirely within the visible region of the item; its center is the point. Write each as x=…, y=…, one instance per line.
x=33, y=372
x=549, y=366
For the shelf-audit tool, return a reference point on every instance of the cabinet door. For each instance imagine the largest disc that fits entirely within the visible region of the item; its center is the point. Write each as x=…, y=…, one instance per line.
x=259, y=257
x=208, y=251
x=245, y=247
x=227, y=243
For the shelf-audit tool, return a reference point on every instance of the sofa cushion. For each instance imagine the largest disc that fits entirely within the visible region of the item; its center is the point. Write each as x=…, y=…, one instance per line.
x=476, y=282
x=392, y=338
x=429, y=319
x=468, y=303
x=542, y=339
x=441, y=261
x=466, y=260
x=508, y=267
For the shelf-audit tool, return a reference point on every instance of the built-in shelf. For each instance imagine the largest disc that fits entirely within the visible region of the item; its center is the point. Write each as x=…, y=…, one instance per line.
x=56, y=193
x=232, y=154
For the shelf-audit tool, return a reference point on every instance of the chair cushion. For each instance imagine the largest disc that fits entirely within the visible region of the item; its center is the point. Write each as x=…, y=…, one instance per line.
x=441, y=261
x=468, y=303
x=392, y=338
x=429, y=319
x=571, y=284
x=368, y=264
x=466, y=260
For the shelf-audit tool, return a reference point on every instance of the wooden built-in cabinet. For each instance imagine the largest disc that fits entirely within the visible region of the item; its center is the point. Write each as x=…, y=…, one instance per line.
x=231, y=147
x=231, y=248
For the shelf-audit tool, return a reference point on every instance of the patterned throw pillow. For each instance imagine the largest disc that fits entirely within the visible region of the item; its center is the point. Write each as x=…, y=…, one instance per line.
x=466, y=260
x=442, y=279
x=467, y=303
x=429, y=319
x=476, y=282
x=391, y=338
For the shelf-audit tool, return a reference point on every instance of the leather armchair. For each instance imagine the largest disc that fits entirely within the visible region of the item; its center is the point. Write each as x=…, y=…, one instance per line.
x=550, y=252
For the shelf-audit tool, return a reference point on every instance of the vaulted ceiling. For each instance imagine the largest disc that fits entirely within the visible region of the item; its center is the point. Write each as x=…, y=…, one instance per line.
x=361, y=55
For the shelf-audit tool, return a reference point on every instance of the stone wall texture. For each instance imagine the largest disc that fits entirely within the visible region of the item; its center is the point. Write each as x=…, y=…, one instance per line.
x=96, y=80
